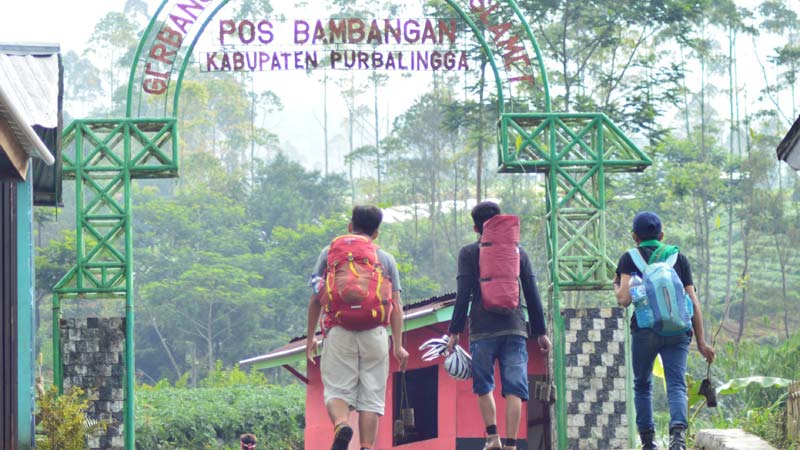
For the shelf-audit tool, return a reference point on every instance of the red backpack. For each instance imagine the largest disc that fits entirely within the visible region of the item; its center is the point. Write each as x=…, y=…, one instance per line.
x=359, y=295
x=498, y=264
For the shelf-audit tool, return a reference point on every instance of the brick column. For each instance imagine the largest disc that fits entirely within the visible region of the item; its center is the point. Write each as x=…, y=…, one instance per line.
x=93, y=361
x=595, y=378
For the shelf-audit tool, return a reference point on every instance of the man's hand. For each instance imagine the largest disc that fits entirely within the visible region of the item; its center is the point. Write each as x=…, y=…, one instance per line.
x=312, y=348
x=708, y=353
x=544, y=343
x=401, y=355
x=452, y=340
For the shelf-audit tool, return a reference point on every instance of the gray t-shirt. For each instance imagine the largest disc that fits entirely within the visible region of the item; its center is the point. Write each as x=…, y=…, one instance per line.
x=386, y=260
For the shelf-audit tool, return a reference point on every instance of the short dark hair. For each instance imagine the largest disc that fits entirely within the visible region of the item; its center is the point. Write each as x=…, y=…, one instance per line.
x=248, y=438
x=366, y=219
x=482, y=212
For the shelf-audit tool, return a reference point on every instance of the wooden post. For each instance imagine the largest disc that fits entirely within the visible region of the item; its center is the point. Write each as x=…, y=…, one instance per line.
x=793, y=412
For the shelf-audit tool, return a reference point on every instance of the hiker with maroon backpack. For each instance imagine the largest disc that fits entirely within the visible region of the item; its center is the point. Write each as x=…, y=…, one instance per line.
x=357, y=292
x=490, y=273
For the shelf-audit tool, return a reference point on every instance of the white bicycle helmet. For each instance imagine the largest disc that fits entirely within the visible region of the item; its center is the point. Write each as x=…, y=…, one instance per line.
x=436, y=347
x=458, y=363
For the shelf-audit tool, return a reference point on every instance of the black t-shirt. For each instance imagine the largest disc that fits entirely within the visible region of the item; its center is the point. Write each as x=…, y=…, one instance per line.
x=485, y=324
x=627, y=266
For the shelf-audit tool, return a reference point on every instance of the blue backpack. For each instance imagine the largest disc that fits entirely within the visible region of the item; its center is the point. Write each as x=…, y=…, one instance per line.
x=668, y=310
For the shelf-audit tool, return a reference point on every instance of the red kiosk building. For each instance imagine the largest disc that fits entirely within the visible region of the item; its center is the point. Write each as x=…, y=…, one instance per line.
x=445, y=410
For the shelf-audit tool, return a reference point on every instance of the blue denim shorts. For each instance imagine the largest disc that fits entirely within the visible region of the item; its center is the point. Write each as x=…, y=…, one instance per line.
x=512, y=353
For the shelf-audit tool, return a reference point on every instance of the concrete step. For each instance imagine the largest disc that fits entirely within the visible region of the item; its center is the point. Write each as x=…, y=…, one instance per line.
x=730, y=439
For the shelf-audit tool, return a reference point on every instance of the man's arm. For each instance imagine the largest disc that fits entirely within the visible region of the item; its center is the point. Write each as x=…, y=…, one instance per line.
x=396, y=323
x=314, y=306
x=697, y=326
x=622, y=289
x=465, y=282
x=534, y=302
x=314, y=311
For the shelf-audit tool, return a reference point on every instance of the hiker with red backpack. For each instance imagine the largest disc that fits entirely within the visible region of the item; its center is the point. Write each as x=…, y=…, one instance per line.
x=490, y=273
x=657, y=279
x=357, y=293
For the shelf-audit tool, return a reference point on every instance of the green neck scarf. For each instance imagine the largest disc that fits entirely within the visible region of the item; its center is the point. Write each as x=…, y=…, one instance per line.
x=662, y=251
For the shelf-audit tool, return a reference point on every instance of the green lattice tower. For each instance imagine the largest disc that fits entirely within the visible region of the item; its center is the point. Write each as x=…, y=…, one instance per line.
x=103, y=156
x=575, y=151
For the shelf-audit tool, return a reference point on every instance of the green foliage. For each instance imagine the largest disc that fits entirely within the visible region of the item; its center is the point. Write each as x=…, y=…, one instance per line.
x=768, y=423
x=214, y=417
x=223, y=254
x=739, y=384
x=221, y=377
x=61, y=420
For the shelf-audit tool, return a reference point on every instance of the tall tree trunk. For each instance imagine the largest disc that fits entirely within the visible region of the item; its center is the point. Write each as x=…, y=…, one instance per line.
x=377, y=138
x=252, y=131
x=703, y=99
x=481, y=88
x=733, y=127
x=745, y=284
x=706, y=240
x=166, y=347
x=210, y=337
x=351, y=120
x=685, y=96
x=434, y=174
x=325, y=117
x=780, y=249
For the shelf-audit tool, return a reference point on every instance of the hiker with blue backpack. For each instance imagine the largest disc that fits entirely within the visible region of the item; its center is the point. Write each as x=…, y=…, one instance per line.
x=657, y=279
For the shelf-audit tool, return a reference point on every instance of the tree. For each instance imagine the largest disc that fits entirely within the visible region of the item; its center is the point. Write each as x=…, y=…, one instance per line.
x=113, y=36
x=285, y=194
x=83, y=83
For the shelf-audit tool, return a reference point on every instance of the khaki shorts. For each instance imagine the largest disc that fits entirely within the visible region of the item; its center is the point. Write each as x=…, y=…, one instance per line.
x=355, y=366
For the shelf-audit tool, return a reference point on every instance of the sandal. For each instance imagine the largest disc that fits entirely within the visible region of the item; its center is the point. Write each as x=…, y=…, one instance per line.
x=493, y=443
x=342, y=436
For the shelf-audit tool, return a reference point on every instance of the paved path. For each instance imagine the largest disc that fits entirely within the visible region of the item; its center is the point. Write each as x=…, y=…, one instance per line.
x=731, y=439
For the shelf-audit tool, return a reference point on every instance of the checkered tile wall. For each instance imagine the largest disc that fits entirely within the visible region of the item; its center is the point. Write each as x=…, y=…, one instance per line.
x=595, y=384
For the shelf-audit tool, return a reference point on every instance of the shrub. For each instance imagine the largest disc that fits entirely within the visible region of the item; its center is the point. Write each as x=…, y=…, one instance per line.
x=214, y=417
x=61, y=420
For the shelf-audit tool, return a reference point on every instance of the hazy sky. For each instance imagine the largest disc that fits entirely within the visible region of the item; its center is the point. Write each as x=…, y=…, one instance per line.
x=70, y=24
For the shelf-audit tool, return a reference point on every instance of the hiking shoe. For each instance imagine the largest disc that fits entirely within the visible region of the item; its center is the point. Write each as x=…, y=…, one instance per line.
x=677, y=438
x=648, y=440
x=341, y=438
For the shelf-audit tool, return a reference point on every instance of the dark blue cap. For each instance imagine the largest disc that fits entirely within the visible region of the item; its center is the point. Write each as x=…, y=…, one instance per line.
x=647, y=225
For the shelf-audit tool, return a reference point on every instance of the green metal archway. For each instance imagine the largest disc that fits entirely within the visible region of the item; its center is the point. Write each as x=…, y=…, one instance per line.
x=574, y=150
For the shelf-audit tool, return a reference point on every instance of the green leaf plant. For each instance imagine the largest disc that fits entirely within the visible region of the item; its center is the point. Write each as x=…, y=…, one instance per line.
x=61, y=420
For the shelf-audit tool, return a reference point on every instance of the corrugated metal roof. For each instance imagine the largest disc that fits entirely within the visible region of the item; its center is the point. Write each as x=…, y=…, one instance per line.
x=31, y=82
x=31, y=87
x=297, y=346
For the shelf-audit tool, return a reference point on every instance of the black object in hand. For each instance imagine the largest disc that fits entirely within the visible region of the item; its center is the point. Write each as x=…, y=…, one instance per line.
x=707, y=390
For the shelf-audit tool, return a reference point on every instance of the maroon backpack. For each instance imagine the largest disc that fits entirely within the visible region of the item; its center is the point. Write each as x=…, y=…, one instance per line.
x=498, y=263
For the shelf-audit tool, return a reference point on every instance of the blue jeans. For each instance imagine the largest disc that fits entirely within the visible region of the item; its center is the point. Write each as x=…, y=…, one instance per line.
x=674, y=351
x=512, y=353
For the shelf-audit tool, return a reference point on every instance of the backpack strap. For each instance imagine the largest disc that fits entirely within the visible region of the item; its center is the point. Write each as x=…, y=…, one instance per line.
x=638, y=260
x=672, y=259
